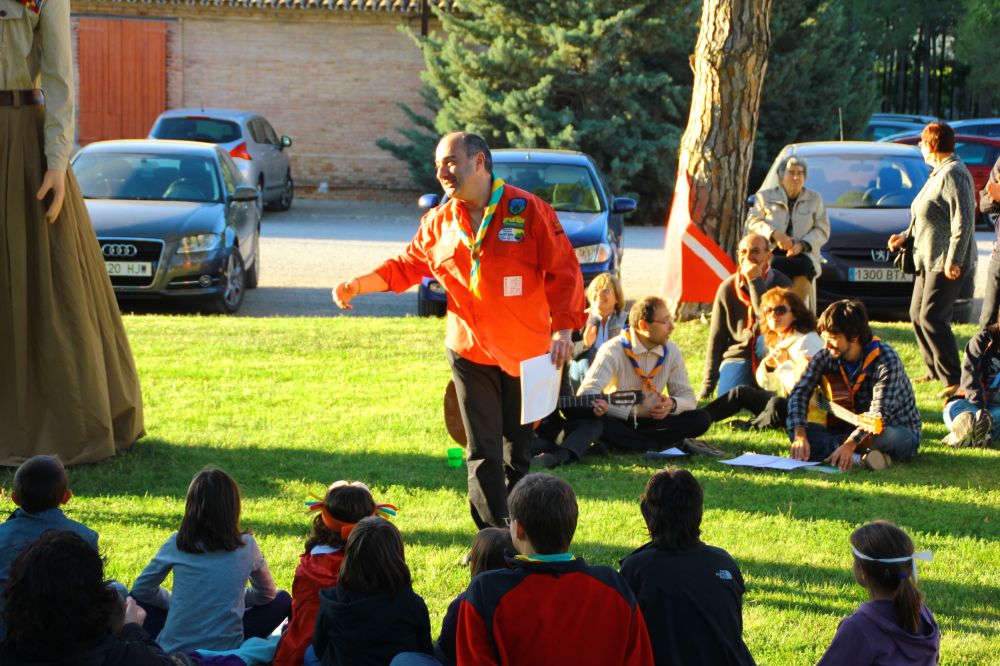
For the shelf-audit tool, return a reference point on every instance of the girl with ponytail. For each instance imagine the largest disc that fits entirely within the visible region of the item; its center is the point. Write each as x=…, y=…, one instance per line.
x=894, y=628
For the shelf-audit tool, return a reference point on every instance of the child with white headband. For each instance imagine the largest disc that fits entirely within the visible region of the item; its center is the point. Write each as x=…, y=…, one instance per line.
x=893, y=628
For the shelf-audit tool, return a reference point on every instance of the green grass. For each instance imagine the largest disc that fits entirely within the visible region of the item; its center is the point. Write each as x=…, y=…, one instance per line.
x=289, y=405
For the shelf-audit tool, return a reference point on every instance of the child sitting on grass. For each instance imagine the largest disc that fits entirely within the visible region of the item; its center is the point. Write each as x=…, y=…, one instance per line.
x=40, y=488
x=319, y=566
x=372, y=614
x=212, y=560
x=894, y=627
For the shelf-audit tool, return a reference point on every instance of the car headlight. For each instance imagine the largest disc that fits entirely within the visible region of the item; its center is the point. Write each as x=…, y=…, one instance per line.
x=198, y=243
x=593, y=254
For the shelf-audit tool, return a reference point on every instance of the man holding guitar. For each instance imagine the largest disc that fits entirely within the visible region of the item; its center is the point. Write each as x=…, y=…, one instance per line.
x=643, y=358
x=514, y=292
x=876, y=397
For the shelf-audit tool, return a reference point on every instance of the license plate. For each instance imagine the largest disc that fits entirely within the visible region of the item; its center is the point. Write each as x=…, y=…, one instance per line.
x=129, y=268
x=878, y=275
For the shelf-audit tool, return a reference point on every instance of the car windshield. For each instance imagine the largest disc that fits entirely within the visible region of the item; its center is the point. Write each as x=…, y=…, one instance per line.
x=210, y=130
x=114, y=175
x=863, y=181
x=565, y=187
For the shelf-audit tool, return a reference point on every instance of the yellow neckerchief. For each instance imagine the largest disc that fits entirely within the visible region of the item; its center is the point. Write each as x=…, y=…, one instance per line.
x=874, y=349
x=647, y=380
x=476, y=245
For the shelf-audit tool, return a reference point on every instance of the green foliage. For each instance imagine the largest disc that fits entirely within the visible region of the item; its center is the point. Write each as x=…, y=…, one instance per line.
x=817, y=64
x=288, y=405
x=975, y=45
x=421, y=138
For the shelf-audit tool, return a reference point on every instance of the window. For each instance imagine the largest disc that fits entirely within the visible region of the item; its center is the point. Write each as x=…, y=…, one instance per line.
x=565, y=187
x=256, y=131
x=193, y=128
x=147, y=177
x=269, y=133
x=231, y=176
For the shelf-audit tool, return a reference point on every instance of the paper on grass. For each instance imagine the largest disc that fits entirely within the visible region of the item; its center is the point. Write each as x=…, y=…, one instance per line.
x=672, y=452
x=767, y=462
x=539, y=388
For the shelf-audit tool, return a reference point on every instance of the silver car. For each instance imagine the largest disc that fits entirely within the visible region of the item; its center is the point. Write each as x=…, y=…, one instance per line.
x=248, y=138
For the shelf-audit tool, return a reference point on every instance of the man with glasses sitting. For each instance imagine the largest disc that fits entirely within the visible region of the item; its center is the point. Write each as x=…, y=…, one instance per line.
x=643, y=358
x=733, y=353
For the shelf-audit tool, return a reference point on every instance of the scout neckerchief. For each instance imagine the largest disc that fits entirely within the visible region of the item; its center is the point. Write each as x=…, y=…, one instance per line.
x=873, y=349
x=476, y=245
x=555, y=557
x=33, y=5
x=745, y=299
x=647, y=380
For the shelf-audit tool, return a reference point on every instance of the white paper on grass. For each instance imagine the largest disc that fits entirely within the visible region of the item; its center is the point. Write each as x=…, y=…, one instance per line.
x=672, y=452
x=539, y=388
x=767, y=462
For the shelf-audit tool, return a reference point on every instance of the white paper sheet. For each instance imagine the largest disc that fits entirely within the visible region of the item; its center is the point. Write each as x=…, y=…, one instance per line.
x=767, y=462
x=672, y=452
x=539, y=388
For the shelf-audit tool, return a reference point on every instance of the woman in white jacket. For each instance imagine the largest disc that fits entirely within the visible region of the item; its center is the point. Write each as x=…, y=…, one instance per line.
x=789, y=329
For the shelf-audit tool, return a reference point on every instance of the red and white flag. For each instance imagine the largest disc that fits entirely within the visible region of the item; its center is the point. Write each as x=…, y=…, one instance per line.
x=696, y=265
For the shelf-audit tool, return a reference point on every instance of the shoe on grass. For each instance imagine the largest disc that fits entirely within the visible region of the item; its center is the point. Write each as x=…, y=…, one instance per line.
x=698, y=447
x=741, y=424
x=961, y=430
x=875, y=460
x=554, y=459
x=982, y=429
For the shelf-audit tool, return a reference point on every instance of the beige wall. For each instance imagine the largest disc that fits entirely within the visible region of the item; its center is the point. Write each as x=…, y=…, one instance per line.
x=330, y=80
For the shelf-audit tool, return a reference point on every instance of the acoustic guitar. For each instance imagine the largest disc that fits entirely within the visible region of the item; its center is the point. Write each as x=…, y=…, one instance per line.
x=456, y=428
x=834, y=397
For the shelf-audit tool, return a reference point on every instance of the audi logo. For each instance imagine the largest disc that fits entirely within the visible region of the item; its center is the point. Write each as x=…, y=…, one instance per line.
x=119, y=250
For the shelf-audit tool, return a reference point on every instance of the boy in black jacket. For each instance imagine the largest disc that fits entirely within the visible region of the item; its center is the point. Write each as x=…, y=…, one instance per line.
x=973, y=416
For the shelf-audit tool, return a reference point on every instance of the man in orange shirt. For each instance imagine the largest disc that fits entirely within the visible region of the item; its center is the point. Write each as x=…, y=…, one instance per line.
x=514, y=292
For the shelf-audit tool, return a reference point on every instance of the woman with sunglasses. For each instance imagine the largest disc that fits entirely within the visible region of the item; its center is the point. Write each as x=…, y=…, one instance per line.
x=789, y=329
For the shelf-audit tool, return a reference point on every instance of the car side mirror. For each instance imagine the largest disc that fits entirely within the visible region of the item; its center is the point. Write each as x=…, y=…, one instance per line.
x=286, y=142
x=623, y=205
x=428, y=201
x=245, y=193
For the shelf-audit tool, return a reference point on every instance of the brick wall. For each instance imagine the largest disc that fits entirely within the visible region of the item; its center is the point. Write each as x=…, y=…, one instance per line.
x=329, y=80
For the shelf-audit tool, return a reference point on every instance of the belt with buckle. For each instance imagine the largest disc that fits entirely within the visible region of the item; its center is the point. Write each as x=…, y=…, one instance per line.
x=21, y=98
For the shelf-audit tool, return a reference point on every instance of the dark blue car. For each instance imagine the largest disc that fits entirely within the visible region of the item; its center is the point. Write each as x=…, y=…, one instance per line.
x=572, y=183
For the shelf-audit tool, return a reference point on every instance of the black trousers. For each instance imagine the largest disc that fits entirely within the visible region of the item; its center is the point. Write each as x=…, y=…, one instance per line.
x=800, y=264
x=930, y=311
x=499, y=450
x=574, y=430
x=991, y=299
x=654, y=433
x=769, y=409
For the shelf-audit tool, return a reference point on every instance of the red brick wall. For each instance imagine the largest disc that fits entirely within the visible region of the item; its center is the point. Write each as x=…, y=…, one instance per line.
x=330, y=80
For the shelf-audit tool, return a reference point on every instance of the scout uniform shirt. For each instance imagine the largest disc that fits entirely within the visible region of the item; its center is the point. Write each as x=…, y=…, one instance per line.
x=24, y=63
x=530, y=282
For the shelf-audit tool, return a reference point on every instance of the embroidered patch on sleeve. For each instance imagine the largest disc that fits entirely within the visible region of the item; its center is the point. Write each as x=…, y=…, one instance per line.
x=515, y=206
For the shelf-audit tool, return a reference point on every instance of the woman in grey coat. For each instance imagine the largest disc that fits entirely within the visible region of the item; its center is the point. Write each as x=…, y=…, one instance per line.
x=944, y=249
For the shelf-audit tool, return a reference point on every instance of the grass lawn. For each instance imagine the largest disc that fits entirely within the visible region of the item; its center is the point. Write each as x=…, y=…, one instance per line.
x=289, y=405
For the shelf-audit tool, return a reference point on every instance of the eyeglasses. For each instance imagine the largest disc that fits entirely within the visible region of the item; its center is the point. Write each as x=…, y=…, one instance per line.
x=661, y=321
x=777, y=310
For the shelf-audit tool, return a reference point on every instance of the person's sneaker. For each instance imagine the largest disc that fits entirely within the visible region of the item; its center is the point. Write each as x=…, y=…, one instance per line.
x=698, y=447
x=741, y=424
x=961, y=430
x=982, y=429
x=875, y=460
x=598, y=448
x=553, y=459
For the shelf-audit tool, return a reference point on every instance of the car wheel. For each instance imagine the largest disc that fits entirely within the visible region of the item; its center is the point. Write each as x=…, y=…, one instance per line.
x=233, y=285
x=287, y=194
x=253, y=273
x=428, y=308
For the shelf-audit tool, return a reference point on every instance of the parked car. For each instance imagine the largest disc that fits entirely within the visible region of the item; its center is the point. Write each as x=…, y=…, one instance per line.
x=905, y=117
x=249, y=139
x=867, y=189
x=174, y=219
x=877, y=128
x=977, y=126
x=978, y=153
x=573, y=184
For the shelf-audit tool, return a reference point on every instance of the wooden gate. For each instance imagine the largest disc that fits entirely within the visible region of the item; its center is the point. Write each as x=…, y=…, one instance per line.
x=123, y=77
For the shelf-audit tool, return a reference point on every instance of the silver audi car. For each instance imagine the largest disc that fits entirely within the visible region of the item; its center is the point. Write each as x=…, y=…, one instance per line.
x=174, y=219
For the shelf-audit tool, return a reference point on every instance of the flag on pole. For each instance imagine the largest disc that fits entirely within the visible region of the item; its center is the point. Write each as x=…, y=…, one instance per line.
x=696, y=265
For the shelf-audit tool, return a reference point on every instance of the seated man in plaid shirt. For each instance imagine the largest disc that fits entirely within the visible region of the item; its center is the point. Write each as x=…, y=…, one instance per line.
x=877, y=381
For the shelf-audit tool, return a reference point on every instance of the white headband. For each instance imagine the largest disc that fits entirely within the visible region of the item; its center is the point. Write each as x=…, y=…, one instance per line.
x=924, y=555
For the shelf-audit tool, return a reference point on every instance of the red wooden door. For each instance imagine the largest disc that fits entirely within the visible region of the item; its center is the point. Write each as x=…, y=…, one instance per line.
x=123, y=77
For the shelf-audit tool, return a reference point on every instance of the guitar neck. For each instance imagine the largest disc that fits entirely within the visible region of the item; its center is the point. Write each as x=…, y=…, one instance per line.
x=619, y=398
x=839, y=411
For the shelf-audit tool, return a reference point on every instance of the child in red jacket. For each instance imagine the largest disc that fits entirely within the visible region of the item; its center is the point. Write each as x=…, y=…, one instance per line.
x=319, y=566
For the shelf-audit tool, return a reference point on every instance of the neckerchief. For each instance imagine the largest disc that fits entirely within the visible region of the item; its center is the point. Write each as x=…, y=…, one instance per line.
x=475, y=245
x=873, y=349
x=744, y=297
x=555, y=557
x=647, y=380
x=33, y=5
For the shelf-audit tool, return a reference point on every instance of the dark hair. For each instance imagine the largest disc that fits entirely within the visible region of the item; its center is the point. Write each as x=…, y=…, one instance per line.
x=373, y=560
x=672, y=506
x=476, y=144
x=644, y=310
x=803, y=319
x=488, y=548
x=57, y=603
x=346, y=503
x=939, y=138
x=211, y=515
x=848, y=317
x=882, y=539
x=40, y=483
x=545, y=507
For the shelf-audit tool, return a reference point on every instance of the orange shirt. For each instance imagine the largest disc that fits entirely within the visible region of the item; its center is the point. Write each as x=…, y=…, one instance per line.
x=530, y=280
